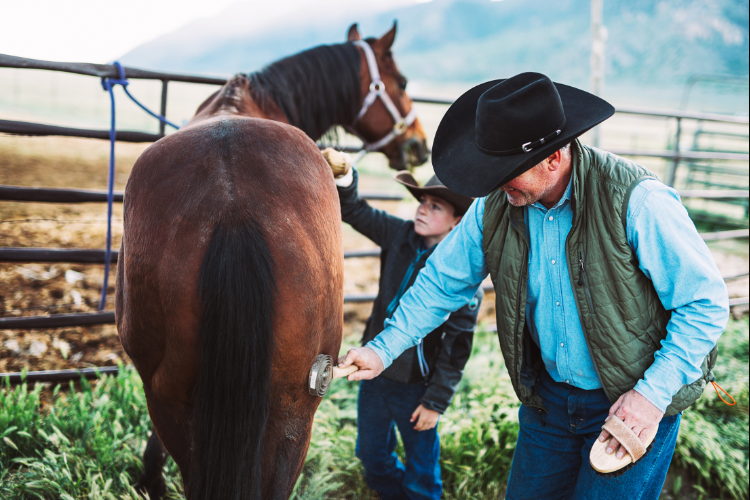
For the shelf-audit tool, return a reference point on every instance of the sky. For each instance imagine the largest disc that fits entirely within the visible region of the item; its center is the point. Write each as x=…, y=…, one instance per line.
x=99, y=31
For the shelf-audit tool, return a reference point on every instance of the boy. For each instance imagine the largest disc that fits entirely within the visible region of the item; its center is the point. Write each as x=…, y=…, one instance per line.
x=420, y=384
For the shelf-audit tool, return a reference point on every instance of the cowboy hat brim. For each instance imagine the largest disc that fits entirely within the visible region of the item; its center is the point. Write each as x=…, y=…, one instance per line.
x=463, y=168
x=461, y=203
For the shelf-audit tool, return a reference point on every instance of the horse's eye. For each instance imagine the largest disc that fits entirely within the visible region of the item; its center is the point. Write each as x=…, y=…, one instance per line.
x=402, y=84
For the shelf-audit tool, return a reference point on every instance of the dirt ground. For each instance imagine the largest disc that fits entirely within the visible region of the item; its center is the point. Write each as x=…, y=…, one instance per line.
x=35, y=289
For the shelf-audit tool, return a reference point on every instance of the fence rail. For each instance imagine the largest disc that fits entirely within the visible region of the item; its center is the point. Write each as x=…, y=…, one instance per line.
x=690, y=115
x=96, y=256
x=682, y=155
x=104, y=70
x=108, y=317
x=39, y=129
x=15, y=378
x=57, y=320
x=58, y=195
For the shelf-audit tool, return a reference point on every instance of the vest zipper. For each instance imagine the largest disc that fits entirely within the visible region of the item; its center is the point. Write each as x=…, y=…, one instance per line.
x=518, y=308
x=584, y=280
x=581, y=268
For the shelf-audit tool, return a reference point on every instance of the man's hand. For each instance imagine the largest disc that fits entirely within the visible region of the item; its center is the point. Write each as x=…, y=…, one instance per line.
x=638, y=413
x=426, y=419
x=365, y=358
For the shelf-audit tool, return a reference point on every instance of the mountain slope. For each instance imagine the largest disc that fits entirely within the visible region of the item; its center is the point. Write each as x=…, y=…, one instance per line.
x=650, y=43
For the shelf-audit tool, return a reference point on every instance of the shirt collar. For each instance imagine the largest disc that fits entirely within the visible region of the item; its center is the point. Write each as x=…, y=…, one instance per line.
x=565, y=197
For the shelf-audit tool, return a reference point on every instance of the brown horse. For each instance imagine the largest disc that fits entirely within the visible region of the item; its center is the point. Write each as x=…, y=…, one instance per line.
x=230, y=276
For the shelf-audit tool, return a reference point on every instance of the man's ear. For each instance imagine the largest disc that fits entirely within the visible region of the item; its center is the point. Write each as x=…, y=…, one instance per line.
x=385, y=41
x=457, y=221
x=353, y=34
x=554, y=160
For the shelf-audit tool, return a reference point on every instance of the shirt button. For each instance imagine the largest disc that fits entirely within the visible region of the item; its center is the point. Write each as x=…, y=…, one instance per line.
x=562, y=345
x=558, y=303
x=553, y=262
x=550, y=217
x=567, y=381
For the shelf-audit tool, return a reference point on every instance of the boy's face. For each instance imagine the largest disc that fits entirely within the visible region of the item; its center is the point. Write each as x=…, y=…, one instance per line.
x=435, y=218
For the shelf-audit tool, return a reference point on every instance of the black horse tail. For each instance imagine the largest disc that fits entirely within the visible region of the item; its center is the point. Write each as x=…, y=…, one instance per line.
x=232, y=393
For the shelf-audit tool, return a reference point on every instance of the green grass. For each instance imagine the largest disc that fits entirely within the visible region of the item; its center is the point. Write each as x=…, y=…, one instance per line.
x=87, y=442
x=713, y=440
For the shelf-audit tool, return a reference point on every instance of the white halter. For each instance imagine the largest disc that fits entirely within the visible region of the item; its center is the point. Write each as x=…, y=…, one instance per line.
x=377, y=89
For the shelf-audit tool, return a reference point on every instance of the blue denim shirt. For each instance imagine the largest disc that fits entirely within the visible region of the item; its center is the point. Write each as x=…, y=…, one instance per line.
x=670, y=252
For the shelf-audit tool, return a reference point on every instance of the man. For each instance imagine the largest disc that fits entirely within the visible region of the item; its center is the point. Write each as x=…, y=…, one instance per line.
x=608, y=301
x=420, y=384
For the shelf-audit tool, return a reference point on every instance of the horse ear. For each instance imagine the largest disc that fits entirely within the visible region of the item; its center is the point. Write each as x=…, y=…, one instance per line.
x=386, y=40
x=353, y=34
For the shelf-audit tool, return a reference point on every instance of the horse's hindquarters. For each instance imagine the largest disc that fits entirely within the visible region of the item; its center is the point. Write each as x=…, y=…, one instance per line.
x=232, y=174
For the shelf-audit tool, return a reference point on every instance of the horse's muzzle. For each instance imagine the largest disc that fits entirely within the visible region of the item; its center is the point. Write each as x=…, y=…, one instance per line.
x=412, y=153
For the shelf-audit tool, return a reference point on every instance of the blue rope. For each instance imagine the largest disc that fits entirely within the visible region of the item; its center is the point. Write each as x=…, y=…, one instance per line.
x=144, y=108
x=108, y=84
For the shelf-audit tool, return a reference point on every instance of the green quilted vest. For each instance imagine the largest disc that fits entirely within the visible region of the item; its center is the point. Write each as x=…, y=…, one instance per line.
x=622, y=318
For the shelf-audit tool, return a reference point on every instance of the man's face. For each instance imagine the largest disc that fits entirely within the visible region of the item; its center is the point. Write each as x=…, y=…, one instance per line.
x=530, y=186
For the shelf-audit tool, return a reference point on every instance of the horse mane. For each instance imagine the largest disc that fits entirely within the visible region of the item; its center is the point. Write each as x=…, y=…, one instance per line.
x=315, y=89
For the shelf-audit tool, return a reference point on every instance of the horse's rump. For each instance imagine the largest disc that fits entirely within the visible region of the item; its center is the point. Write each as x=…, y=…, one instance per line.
x=231, y=285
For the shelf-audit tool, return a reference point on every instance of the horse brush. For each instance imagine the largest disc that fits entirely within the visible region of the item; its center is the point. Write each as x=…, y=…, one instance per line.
x=340, y=162
x=323, y=372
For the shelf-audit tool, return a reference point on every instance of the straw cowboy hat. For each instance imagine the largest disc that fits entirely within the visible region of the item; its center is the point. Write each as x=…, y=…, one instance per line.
x=435, y=188
x=500, y=129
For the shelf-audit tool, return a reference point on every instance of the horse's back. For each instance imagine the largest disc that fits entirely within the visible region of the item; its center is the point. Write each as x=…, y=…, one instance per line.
x=225, y=171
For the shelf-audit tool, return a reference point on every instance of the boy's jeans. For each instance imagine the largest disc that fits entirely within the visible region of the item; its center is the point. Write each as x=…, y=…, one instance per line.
x=384, y=405
x=551, y=460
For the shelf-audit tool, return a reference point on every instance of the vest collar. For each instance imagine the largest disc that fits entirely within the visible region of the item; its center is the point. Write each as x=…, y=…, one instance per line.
x=580, y=166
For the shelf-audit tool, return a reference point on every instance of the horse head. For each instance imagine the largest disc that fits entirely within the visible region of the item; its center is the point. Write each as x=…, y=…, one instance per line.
x=387, y=124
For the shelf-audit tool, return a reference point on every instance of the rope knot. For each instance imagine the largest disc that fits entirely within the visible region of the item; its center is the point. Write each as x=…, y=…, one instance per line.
x=109, y=83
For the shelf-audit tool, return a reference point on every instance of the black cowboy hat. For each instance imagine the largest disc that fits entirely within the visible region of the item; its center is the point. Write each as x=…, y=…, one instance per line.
x=435, y=188
x=500, y=129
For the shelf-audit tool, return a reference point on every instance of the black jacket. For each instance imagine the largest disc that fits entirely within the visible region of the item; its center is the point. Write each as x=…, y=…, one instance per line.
x=447, y=348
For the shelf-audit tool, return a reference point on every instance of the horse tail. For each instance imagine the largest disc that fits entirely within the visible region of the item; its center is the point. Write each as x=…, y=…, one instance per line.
x=232, y=393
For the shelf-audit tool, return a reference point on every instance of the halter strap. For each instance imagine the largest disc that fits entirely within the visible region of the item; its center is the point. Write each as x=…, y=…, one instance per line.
x=377, y=89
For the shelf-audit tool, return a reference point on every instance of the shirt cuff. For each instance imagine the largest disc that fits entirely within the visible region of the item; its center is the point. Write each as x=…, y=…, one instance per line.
x=382, y=354
x=390, y=344
x=659, y=384
x=346, y=180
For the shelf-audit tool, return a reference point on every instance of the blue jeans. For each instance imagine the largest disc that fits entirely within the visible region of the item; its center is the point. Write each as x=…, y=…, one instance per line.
x=551, y=460
x=382, y=406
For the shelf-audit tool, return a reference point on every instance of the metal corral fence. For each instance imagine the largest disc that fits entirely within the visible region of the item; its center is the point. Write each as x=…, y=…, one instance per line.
x=25, y=194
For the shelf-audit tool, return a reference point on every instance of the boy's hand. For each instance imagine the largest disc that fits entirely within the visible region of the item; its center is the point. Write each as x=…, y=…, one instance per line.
x=426, y=419
x=339, y=162
x=365, y=358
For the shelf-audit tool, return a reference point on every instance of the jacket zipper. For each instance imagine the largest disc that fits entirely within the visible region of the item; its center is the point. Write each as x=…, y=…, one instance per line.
x=423, y=367
x=402, y=288
x=583, y=279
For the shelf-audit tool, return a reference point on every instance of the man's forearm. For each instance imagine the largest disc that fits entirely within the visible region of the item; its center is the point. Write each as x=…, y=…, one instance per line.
x=692, y=332
x=449, y=280
x=673, y=255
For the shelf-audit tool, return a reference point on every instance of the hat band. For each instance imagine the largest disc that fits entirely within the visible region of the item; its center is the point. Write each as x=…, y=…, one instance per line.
x=525, y=148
